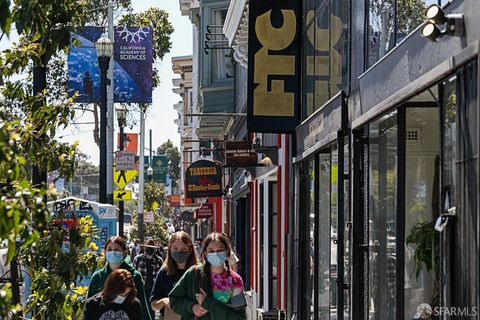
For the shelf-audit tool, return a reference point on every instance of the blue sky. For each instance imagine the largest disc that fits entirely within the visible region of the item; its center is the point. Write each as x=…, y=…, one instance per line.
x=161, y=115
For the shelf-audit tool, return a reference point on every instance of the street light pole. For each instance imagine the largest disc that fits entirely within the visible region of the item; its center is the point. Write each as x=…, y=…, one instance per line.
x=104, y=49
x=121, y=115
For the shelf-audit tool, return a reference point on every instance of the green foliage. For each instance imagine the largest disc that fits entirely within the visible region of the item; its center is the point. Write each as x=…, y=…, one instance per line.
x=56, y=271
x=173, y=154
x=155, y=199
x=427, y=246
x=5, y=16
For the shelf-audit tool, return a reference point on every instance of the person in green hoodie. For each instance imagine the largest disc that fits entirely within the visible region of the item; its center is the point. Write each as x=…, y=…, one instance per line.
x=115, y=253
x=212, y=291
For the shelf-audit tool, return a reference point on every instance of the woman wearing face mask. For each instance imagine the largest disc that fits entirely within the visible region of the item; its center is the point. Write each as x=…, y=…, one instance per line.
x=179, y=257
x=212, y=291
x=117, y=300
x=115, y=252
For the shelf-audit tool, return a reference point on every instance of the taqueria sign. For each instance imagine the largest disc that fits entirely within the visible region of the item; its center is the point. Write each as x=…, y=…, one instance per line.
x=203, y=179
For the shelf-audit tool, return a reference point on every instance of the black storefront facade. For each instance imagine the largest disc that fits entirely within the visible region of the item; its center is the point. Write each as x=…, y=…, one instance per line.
x=391, y=151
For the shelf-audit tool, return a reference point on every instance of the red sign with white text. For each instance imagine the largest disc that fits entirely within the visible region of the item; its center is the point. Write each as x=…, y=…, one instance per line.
x=205, y=211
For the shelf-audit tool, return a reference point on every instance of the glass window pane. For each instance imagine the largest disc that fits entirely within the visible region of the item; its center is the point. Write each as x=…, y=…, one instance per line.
x=410, y=14
x=324, y=238
x=380, y=29
x=382, y=217
x=333, y=233
x=222, y=67
x=309, y=285
x=347, y=249
x=449, y=144
x=422, y=173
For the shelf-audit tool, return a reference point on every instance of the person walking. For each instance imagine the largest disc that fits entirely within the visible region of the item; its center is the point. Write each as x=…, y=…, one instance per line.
x=148, y=264
x=117, y=300
x=179, y=257
x=116, y=251
x=211, y=291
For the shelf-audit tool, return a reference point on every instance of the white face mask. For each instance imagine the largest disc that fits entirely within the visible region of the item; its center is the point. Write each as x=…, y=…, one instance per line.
x=119, y=299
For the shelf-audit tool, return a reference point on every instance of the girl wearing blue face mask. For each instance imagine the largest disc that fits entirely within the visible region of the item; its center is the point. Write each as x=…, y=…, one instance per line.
x=179, y=257
x=115, y=251
x=117, y=300
x=211, y=291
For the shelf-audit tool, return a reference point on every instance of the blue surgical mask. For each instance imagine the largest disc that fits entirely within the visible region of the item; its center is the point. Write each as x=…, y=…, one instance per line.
x=216, y=258
x=114, y=256
x=119, y=299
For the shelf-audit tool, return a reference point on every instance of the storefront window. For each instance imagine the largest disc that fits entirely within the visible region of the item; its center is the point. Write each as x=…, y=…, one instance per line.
x=422, y=176
x=273, y=227
x=382, y=229
x=324, y=237
x=333, y=233
x=325, y=51
x=309, y=285
x=449, y=143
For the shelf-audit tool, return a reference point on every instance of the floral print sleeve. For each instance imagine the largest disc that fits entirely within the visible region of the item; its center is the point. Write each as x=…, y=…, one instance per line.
x=228, y=288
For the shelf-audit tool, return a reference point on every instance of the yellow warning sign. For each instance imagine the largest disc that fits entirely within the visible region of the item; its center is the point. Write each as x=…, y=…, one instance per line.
x=122, y=195
x=123, y=177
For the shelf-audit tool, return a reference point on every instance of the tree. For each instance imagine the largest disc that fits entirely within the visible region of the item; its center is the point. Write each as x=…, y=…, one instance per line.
x=5, y=16
x=167, y=148
x=155, y=200
x=26, y=139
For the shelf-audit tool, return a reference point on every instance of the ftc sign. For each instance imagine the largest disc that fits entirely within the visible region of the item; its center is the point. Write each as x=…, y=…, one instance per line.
x=273, y=66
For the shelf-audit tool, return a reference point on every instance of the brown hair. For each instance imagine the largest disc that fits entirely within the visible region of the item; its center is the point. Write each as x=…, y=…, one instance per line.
x=116, y=283
x=118, y=240
x=215, y=236
x=169, y=264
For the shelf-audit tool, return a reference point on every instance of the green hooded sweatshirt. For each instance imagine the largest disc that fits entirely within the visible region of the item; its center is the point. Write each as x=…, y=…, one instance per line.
x=182, y=298
x=100, y=276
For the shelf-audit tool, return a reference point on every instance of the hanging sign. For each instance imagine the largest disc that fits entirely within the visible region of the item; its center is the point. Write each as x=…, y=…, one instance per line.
x=130, y=142
x=273, y=66
x=203, y=179
x=205, y=211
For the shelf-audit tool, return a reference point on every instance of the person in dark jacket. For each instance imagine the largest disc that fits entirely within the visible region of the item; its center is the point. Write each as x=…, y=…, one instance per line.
x=148, y=264
x=179, y=257
x=116, y=301
x=115, y=253
x=212, y=291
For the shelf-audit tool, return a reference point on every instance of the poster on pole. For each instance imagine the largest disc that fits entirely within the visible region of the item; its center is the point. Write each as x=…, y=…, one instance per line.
x=132, y=54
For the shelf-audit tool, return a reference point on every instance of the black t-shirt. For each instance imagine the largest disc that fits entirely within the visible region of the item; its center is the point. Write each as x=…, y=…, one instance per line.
x=98, y=309
x=164, y=283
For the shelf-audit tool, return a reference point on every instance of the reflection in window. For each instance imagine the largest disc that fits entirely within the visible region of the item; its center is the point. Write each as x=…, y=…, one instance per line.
x=449, y=144
x=273, y=227
x=422, y=173
x=382, y=229
x=323, y=269
x=309, y=285
x=390, y=21
x=333, y=233
x=324, y=51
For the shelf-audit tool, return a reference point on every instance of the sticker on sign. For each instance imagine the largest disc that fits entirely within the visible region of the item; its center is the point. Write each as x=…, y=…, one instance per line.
x=124, y=160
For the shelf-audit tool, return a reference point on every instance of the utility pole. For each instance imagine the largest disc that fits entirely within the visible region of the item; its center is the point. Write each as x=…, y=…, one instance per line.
x=110, y=111
x=121, y=204
x=141, y=179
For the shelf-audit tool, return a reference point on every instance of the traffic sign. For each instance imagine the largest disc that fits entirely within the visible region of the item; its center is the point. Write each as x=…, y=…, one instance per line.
x=124, y=160
x=123, y=177
x=122, y=195
x=148, y=217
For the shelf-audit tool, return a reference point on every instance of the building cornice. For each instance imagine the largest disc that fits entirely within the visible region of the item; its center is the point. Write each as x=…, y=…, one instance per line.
x=236, y=30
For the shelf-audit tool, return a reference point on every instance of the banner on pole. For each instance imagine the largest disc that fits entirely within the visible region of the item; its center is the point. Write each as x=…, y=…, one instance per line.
x=132, y=54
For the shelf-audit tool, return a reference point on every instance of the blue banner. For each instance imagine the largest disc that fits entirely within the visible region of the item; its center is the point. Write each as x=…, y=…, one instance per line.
x=132, y=65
